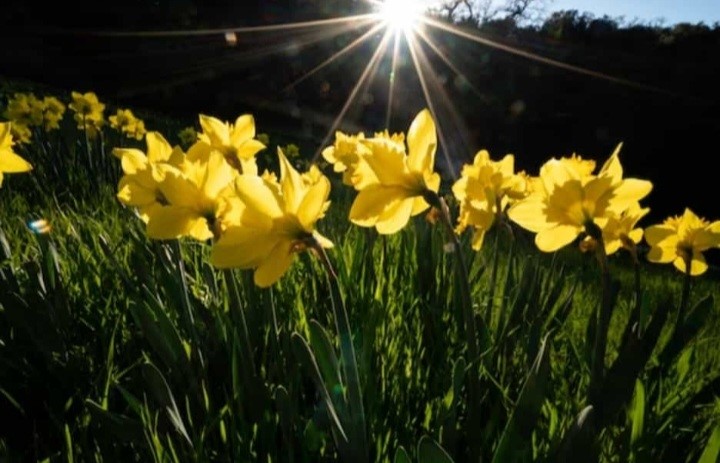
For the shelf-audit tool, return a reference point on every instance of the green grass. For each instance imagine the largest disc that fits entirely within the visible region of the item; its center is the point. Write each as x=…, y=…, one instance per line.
x=114, y=347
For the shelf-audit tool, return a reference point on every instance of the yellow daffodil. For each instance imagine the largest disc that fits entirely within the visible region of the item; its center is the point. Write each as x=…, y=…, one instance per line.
x=10, y=162
x=25, y=109
x=275, y=221
x=53, y=112
x=139, y=187
x=484, y=190
x=21, y=133
x=235, y=141
x=621, y=232
x=568, y=200
x=124, y=121
x=345, y=153
x=396, y=183
x=197, y=199
x=88, y=112
x=682, y=240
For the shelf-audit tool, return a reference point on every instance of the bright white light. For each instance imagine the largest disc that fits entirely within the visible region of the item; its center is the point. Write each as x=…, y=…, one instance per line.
x=401, y=15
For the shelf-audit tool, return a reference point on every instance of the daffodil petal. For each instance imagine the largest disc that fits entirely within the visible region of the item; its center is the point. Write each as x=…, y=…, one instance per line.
x=555, y=238
x=159, y=150
x=422, y=142
x=372, y=201
x=249, y=149
x=170, y=222
x=258, y=194
x=312, y=206
x=395, y=217
x=243, y=130
x=630, y=191
x=242, y=247
x=217, y=132
x=662, y=254
x=529, y=214
x=275, y=265
x=656, y=234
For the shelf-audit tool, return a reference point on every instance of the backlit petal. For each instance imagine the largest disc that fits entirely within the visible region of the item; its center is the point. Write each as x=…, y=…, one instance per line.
x=555, y=238
x=275, y=265
x=422, y=142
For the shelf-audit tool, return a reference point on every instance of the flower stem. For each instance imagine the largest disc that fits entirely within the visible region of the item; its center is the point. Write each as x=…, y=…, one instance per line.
x=347, y=353
x=597, y=371
x=474, y=349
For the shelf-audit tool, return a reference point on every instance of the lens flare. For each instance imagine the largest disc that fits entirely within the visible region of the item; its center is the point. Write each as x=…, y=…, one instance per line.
x=401, y=15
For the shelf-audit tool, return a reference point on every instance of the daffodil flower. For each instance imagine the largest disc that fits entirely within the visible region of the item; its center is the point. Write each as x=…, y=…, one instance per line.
x=621, y=231
x=10, y=162
x=88, y=112
x=568, y=200
x=125, y=122
x=140, y=186
x=484, y=189
x=344, y=155
x=275, y=221
x=236, y=142
x=396, y=183
x=197, y=199
x=682, y=241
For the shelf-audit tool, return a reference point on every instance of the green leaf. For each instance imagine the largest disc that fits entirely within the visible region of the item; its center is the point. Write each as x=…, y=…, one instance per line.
x=637, y=413
x=163, y=395
x=118, y=426
x=515, y=442
x=712, y=449
x=401, y=456
x=306, y=357
x=327, y=361
x=430, y=451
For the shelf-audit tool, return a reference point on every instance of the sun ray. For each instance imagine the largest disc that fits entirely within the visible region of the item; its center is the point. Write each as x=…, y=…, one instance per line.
x=351, y=46
x=391, y=79
x=374, y=60
x=445, y=59
x=414, y=52
x=369, y=17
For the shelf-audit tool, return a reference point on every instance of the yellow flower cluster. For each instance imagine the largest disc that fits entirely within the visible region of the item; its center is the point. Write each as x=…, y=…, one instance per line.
x=125, y=122
x=569, y=200
x=566, y=201
x=88, y=112
x=10, y=162
x=25, y=110
x=214, y=192
x=393, y=181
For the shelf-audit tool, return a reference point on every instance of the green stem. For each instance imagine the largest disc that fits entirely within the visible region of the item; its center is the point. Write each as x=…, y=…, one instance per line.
x=246, y=349
x=474, y=349
x=185, y=300
x=597, y=372
x=493, y=279
x=347, y=353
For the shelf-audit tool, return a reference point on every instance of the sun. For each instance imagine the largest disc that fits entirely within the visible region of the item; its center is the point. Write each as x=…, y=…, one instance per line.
x=401, y=15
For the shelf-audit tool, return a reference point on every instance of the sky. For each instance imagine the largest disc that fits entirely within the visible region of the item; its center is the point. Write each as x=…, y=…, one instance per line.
x=672, y=11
